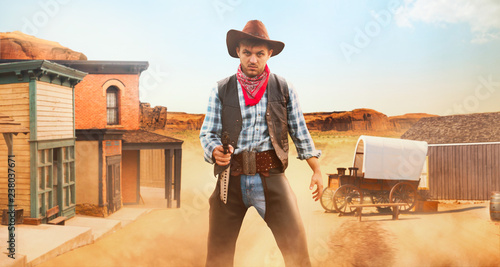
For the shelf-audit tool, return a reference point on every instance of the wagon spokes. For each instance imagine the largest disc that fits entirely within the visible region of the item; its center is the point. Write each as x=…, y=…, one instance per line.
x=345, y=196
x=327, y=199
x=404, y=192
x=379, y=197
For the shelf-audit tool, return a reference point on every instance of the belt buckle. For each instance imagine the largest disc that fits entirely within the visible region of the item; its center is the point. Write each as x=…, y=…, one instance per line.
x=249, y=163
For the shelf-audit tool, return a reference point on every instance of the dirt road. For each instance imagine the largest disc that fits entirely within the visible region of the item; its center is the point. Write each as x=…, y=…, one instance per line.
x=457, y=235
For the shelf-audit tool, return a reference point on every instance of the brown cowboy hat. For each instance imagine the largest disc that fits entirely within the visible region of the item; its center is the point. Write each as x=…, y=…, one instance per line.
x=254, y=29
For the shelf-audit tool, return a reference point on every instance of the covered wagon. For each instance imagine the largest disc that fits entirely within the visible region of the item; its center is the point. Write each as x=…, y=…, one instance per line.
x=385, y=170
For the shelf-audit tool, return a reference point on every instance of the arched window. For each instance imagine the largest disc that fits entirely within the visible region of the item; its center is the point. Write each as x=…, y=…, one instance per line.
x=112, y=105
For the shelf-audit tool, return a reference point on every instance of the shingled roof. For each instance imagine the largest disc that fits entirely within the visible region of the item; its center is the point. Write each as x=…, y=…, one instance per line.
x=140, y=136
x=466, y=128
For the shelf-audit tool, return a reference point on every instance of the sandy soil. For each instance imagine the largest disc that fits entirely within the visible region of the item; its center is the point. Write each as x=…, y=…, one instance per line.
x=457, y=235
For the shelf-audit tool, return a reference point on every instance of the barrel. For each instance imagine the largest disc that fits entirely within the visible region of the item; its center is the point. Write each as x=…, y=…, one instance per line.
x=495, y=206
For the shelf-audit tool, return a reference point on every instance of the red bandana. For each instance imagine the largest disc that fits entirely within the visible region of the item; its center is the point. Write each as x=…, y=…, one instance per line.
x=253, y=88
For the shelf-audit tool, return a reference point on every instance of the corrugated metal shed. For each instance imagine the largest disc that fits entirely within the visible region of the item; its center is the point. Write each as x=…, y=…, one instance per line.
x=464, y=154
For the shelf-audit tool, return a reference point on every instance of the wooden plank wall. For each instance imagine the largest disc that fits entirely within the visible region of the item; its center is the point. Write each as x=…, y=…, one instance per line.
x=14, y=102
x=54, y=111
x=153, y=168
x=464, y=172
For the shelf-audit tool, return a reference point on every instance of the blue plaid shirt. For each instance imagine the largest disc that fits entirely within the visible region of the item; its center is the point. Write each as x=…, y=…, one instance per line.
x=254, y=135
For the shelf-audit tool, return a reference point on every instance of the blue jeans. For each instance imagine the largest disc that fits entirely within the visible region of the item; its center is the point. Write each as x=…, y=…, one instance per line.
x=252, y=191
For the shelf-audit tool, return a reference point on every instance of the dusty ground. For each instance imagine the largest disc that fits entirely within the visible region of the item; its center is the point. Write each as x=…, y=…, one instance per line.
x=457, y=235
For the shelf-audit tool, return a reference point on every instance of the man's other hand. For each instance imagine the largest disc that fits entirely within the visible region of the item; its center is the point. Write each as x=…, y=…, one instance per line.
x=220, y=158
x=316, y=180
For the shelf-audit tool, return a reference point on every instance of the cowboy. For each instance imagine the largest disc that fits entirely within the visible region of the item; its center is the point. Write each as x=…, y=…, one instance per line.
x=256, y=110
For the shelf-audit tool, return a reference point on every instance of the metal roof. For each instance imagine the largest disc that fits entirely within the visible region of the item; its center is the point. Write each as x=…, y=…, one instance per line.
x=42, y=67
x=98, y=66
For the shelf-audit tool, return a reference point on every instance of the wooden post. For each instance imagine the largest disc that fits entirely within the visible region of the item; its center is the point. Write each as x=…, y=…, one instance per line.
x=177, y=176
x=395, y=212
x=168, y=177
x=359, y=210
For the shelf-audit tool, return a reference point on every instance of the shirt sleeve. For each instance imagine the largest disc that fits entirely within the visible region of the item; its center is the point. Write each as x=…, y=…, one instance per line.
x=212, y=126
x=298, y=129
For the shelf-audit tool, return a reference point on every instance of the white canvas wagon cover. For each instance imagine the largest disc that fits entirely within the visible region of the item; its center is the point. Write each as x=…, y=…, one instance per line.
x=389, y=158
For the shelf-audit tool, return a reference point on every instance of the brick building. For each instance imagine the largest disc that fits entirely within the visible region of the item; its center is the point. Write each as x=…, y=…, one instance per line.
x=91, y=96
x=109, y=138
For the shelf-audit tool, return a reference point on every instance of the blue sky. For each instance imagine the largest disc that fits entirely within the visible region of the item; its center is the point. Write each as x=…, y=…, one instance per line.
x=397, y=57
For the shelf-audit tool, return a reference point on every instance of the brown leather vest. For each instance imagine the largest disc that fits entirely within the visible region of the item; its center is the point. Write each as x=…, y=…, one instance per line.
x=276, y=114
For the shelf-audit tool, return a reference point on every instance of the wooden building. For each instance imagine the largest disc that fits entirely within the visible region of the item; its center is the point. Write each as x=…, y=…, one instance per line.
x=464, y=154
x=40, y=96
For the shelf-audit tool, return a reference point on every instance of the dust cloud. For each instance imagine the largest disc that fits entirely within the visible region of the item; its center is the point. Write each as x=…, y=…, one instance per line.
x=361, y=244
x=177, y=237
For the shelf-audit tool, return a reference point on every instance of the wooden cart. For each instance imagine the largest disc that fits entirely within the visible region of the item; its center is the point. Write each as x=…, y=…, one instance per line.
x=386, y=170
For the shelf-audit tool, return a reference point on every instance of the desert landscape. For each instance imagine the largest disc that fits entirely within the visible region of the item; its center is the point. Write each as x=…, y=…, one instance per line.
x=459, y=234
x=358, y=66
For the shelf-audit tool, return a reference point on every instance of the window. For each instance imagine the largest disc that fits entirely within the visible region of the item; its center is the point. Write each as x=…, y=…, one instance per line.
x=56, y=179
x=45, y=181
x=112, y=105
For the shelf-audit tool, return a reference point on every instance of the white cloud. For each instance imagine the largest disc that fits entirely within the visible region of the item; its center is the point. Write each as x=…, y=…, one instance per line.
x=483, y=16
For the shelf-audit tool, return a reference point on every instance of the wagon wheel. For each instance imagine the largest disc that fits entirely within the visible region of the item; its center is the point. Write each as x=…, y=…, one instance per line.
x=327, y=200
x=381, y=197
x=345, y=196
x=404, y=192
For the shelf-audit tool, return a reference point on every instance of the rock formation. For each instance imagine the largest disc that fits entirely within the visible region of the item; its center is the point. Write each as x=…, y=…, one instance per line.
x=17, y=45
x=360, y=120
x=151, y=119
x=179, y=121
x=356, y=120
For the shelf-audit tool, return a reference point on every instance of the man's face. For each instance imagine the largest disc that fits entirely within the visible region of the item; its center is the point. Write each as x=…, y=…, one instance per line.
x=253, y=59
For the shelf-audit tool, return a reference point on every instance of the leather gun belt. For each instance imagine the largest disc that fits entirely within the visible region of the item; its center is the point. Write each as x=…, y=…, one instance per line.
x=251, y=163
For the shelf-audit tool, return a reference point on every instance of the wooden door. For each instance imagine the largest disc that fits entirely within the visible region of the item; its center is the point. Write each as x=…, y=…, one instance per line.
x=113, y=183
